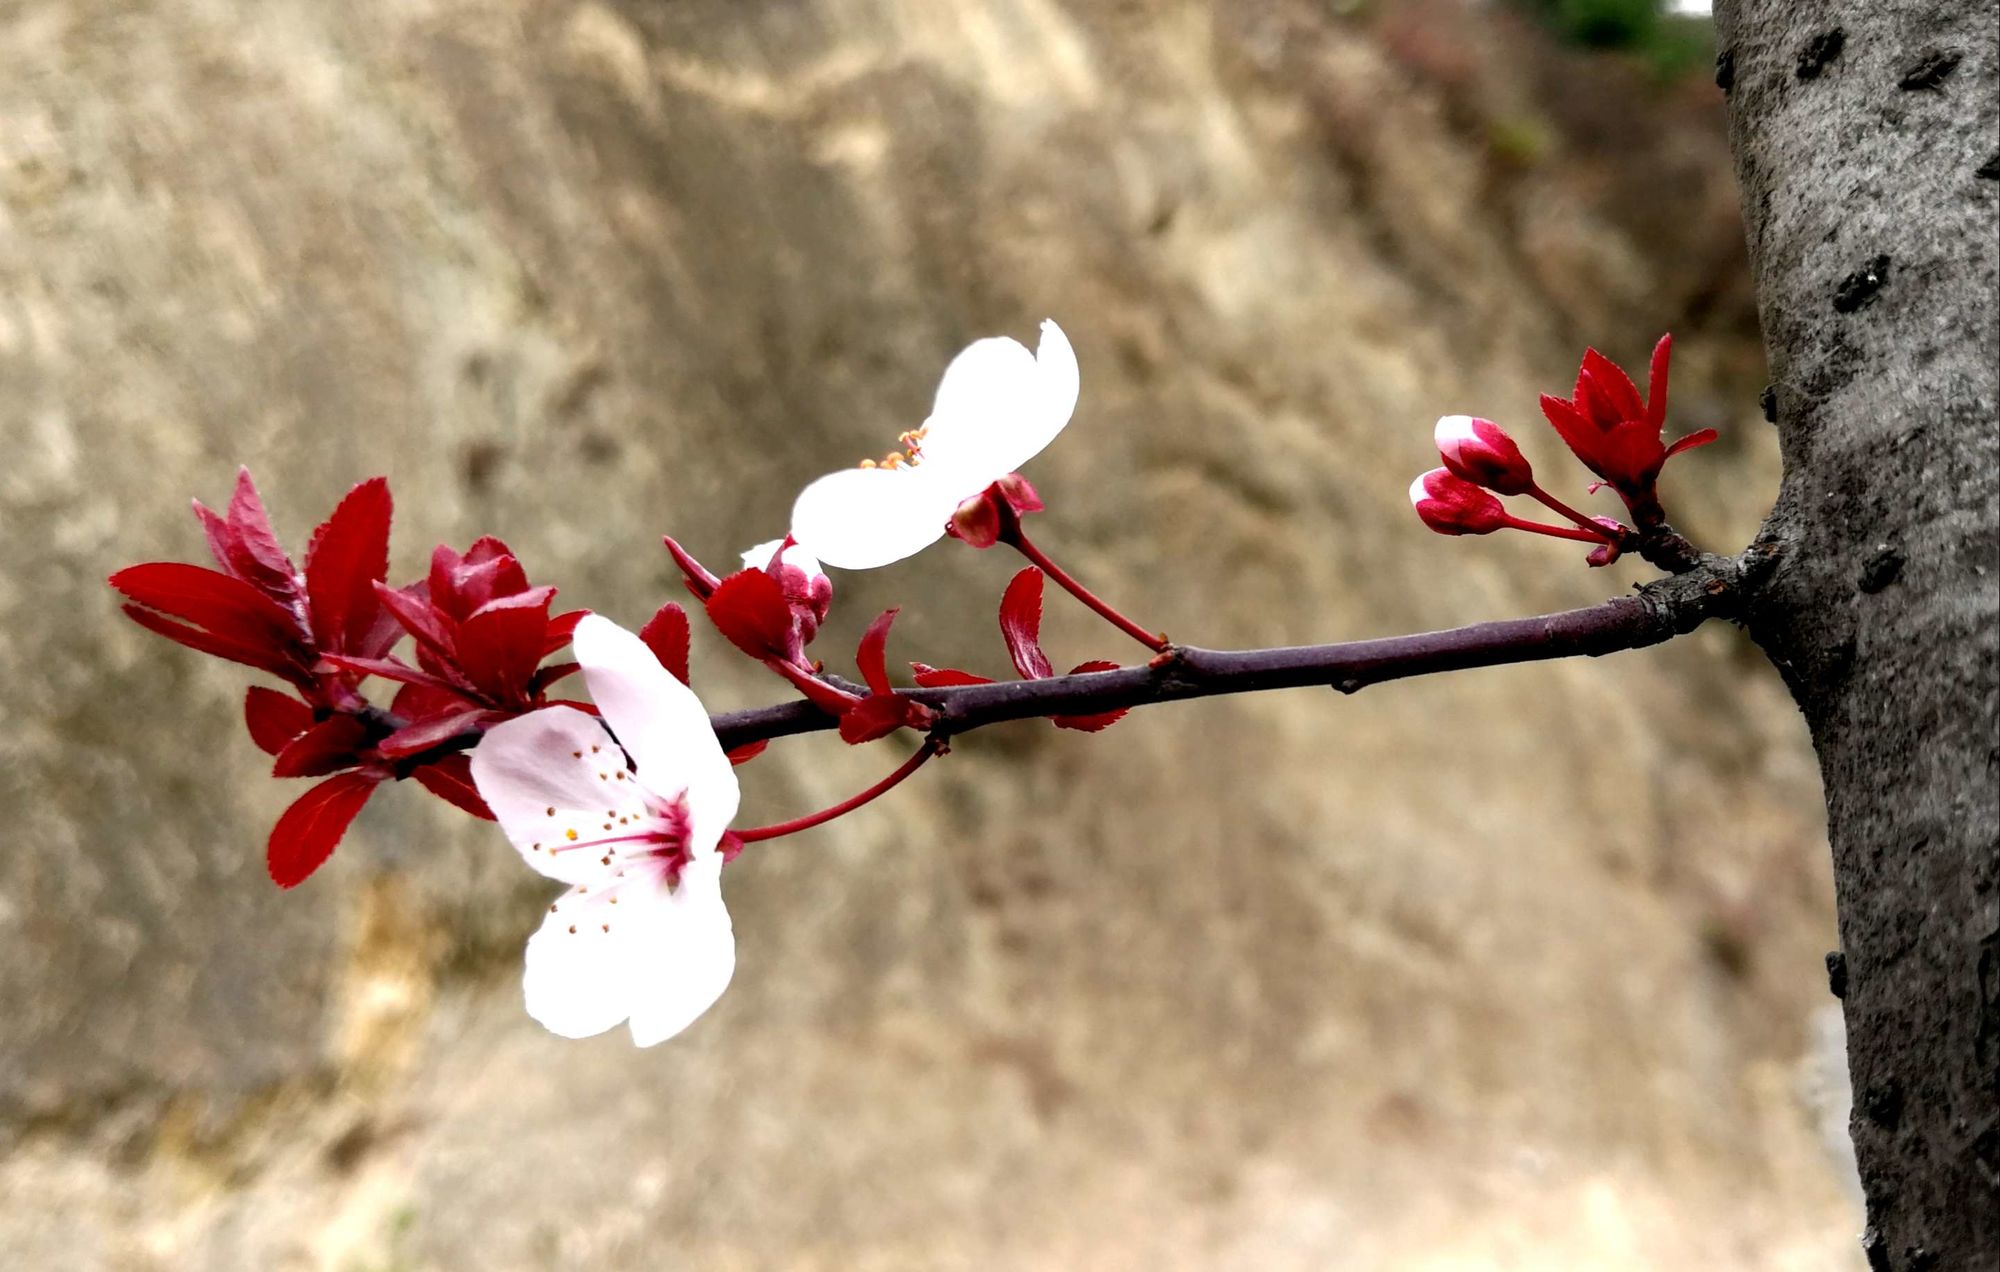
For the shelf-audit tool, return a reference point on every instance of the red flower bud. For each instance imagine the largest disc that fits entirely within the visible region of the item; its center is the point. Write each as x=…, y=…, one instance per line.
x=1453, y=505
x=1481, y=452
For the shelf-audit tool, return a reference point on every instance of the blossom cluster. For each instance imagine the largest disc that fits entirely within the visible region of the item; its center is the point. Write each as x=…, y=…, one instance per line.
x=628, y=799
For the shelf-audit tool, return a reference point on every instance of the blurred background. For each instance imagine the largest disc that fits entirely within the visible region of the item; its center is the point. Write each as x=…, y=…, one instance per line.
x=1511, y=969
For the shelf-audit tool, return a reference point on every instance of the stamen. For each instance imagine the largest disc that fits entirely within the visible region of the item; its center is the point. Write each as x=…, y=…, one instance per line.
x=912, y=454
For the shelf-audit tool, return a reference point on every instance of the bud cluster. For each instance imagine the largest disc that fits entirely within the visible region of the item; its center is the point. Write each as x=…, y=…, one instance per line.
x=1606, y=425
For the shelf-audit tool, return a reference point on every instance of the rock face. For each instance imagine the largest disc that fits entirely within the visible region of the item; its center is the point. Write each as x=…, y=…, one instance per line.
x=1518, y=967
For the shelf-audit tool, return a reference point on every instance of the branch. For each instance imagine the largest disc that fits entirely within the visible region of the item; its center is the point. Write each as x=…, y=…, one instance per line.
x=1710, y=587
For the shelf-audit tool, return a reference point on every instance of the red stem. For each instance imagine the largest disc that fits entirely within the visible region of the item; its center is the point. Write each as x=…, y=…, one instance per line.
x=931, y=746
x=1557, y=506
x=1557, y=532
x=1016, y=538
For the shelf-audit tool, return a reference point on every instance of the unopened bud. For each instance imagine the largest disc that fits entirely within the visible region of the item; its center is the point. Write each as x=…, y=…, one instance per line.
x=1452, y=505
x=1481, y=452
x=807, y=589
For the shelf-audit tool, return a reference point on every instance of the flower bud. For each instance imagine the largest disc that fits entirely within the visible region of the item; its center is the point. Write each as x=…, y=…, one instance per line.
x=1453, y=505
x=1481, y=452
x=807, y=589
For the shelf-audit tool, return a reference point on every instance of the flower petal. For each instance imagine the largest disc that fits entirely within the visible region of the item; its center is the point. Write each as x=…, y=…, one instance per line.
x=553, y=778
x=997, y=407
x=683, y=951
x=579, y=979
x=861, y=518
x=661, y=723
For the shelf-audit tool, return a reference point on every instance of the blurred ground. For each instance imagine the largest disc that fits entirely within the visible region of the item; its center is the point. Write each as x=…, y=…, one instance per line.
x=1516, y=969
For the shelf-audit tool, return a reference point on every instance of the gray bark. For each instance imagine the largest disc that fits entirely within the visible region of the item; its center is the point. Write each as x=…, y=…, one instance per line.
x=1865, y=137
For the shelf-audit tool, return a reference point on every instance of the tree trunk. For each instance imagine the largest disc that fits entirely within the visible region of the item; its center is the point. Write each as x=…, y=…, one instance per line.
x=1865, y=135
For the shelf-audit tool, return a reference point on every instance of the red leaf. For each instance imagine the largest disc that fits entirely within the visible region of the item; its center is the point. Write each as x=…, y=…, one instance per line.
x=538, y=684
x=422, y=735
x=666, y=634
x=394, y=669
x=306, y=834
x=500, y=644
x=194, y=638
x=329, y=745
x=253, y=533
x=696, y=575
x=945, y=677
x=347, y=556
x=1021, y=625
x=226, y=606
x=1692, y=440
x=749, y=609
x=872, y=656
x=450, y=779
x=421, y=702
x=821, y=694
x=1583, y=437
x=873, y=718
x=243, y=545
x=748, y=751
x=1656, y=383
x=1096, y=720
x=274, y=718
x=1609, y=396
x=461, y=584
x=222, y=542
x=411, y=608
x=561, y=628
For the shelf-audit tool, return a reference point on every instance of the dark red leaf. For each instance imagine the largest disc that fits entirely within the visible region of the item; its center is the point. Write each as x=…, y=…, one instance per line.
x=306, y=834
x=226, y=606
x=252, y=527
x=1656, y=383
x=539, y=683
x=488, y=547
x=872, y=655
x=696, y=575
x=222, y=542
x=461, y=584
x=1021, y=625
x=873, y=718
x=422, y=735
x=561, y=628
x=1692, y=440
x=1583, y=438
x=347, y=556
x=500, y=644
x=945, y=677
x=748, y=751
x=821, y=694
x=258, y=656
x=450, y=779
x=749, y=609
x=666, y=634
x=1096, y=720
x=411, y=608
x=331, y=744
x=1608, y=394
x=274, y=718
x=393, y=669
x=421, y=702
